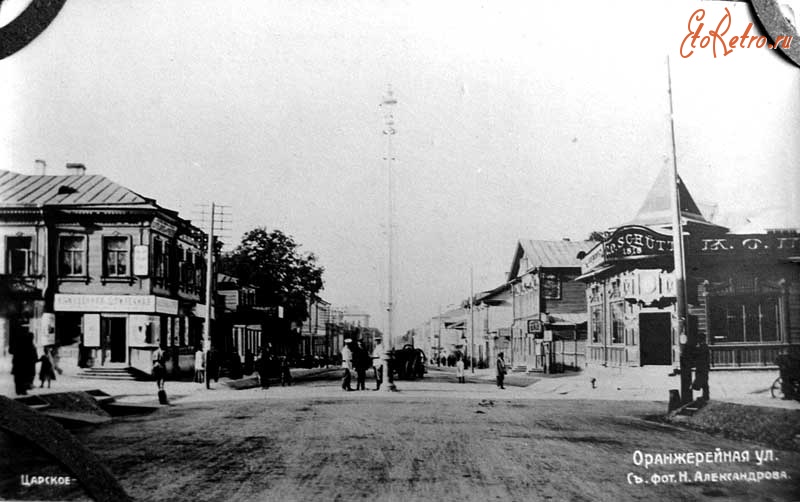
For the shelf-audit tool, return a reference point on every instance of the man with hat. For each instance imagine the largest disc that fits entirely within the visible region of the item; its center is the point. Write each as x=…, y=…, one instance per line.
x=347, y=364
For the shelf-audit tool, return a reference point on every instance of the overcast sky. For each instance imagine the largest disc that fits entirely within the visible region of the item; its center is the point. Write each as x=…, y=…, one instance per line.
x=514, y=120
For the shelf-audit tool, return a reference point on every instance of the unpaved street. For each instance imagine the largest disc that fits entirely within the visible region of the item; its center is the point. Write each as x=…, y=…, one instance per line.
x=356, y=446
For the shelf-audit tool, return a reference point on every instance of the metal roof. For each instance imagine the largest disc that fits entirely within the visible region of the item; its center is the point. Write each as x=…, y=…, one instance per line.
x=68, y=190
x=554, y=254
x=657, y=206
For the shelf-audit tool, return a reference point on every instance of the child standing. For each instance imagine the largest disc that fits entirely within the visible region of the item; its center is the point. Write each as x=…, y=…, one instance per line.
x=460, y=370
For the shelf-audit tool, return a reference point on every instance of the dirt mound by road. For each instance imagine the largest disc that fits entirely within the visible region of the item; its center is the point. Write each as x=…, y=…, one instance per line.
x=771, y=426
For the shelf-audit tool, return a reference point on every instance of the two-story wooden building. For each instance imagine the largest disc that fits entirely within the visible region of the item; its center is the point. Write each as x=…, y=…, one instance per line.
x=548, y=307
x=98, y=271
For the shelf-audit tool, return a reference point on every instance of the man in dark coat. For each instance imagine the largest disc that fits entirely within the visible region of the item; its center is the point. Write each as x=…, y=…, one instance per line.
x=362, y=362
x=500, y=370
x=23, y=364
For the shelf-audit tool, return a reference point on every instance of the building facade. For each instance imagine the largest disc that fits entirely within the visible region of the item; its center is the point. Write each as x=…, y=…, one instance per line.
x=98, y=271
x=548, y=306
x=743, y=290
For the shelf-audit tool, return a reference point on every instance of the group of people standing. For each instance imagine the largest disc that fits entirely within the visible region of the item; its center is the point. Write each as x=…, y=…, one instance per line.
x=23, y=365
x=356, y=358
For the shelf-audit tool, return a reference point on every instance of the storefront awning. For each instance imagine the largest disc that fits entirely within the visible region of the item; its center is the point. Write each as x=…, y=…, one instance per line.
x=455, y=325
x=567, y=319
x=593, y=273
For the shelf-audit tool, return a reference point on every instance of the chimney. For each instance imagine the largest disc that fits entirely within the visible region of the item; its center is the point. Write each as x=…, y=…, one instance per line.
x=76, y=169
x=41, y=166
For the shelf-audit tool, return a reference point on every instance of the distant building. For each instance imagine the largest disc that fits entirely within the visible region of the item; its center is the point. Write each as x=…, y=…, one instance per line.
x=354, y=316
x=98, y=271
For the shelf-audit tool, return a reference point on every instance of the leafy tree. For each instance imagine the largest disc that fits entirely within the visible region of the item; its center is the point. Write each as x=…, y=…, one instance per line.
x=272, y=262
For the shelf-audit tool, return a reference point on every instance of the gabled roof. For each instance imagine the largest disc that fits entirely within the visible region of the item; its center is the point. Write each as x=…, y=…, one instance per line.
x=68, y=190
x=548, y=254
x=497, y=296
x=657, y=207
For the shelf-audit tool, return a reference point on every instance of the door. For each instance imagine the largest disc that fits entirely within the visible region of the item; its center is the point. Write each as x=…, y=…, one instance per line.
x=655, y=342
x=114, y=335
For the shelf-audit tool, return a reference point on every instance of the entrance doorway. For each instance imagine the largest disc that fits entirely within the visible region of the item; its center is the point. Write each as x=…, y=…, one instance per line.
x=655, y=342
x=114, y=334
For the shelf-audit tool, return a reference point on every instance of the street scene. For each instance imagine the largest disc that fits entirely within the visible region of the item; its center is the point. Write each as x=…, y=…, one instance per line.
x=399, y=250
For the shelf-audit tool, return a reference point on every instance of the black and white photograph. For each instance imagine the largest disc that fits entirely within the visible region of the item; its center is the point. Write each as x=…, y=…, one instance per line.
x=402, y=250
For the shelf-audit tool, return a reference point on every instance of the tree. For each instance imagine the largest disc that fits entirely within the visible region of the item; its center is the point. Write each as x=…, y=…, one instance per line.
x=598, y=236
x=272, y=262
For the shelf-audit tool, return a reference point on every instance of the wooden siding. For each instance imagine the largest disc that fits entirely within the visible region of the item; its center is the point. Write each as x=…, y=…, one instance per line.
x=573, y=297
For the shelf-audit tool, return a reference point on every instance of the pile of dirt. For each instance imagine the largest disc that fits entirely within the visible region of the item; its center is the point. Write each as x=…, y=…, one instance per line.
x=771, y=426
x=80, y=402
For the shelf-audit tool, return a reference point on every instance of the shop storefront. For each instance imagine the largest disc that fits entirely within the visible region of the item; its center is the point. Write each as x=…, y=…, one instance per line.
x=124, y=330
x=743, y=296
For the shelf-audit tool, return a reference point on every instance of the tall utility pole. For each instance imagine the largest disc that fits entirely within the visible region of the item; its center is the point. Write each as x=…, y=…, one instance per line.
x=388, y=105
x=209, y=278
x=216, y=224
x=679, y=262
x=472, y=360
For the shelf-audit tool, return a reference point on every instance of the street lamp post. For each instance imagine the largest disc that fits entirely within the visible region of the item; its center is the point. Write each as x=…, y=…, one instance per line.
x=472, y=360
x=388, y=103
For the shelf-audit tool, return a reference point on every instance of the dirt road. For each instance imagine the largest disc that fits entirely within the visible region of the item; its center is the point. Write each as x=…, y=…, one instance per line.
x=356, y=446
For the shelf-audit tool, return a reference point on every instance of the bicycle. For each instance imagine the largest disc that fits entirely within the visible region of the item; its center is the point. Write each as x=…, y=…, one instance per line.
x=777, y=389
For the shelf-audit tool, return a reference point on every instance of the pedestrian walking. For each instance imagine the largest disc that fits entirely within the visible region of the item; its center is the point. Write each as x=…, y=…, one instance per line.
x=460, y=370
x=159, y=373
x=159, y=369
x=286, y=373
x=199, y=366
x=702, y=367
x=56, y=359
x=347, y=365
x=500, y=370
x=46, y=370
x=262, y=367
x=377, y=364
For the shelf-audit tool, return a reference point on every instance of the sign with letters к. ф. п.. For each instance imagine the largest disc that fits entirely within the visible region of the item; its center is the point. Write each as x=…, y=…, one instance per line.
x=747, y=244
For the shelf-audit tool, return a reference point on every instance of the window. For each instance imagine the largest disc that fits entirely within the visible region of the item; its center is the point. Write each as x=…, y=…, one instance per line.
x=73, y=255
x=551, y=287
x=117, y=256
x=615, y=288
x=158, y=258
x=617, y=322
x=744, y=319
x=18, y=255
x=597, y=324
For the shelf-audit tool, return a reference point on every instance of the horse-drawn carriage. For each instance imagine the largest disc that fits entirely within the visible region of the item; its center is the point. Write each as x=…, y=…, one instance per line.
x=408, y=363
x=787, y=385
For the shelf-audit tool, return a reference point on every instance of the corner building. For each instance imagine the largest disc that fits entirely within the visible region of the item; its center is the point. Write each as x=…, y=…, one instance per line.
x=97, y=271
x=743, y=290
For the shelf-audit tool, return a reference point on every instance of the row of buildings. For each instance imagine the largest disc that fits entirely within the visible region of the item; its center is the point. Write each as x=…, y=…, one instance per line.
x=611, y=301
x=107, y=276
